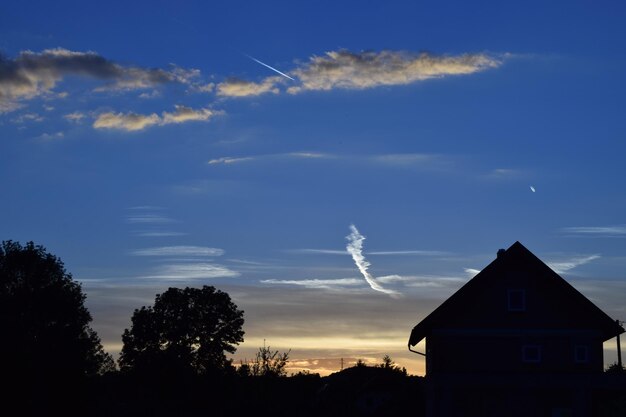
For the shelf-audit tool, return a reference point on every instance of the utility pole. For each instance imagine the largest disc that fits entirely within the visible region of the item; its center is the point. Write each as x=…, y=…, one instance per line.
x=342, y=364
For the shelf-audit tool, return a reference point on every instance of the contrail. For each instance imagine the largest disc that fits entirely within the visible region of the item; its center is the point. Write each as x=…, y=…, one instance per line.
x=355, y=248
x=272, y=68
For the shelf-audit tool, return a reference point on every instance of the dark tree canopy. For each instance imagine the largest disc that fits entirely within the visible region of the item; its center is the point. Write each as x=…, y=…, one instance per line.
x=187, y=329
x=44, y=322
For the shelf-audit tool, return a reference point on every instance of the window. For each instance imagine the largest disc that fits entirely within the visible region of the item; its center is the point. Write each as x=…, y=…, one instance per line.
x=581, y=354
x=516, y=300
x=531, y=353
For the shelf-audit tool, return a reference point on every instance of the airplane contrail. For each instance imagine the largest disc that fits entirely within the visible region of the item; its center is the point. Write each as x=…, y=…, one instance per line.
x=355, y=248
x=272, y=68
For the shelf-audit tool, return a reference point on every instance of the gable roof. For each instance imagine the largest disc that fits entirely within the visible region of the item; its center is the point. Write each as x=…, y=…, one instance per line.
x=481, y=302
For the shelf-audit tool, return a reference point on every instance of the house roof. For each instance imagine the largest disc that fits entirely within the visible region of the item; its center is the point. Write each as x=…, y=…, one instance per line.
x=552, y=303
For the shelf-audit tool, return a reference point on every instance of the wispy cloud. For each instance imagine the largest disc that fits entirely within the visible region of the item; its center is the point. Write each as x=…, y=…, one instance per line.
x=355, y=248
x=596, y=231
x=33, y=74
x=75, y=116
x=153, y=221
x=406, y=158
x=288, y=155
x=375, y=253
x=408, y=252
x=504, y=174
x=228, y=160
x=189, y=271
x=471, y=272
x=27, y=117
x=179, y=251
x=563, y=266
x=164, y=233
x=235, y=87
x=316, y=283
x=320, y=251
x=134, y=121
x=361, y=70
x=148, y=218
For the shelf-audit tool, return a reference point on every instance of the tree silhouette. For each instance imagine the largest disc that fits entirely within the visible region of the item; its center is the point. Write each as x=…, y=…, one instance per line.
x=44, y=322
x=187, y=330
x=269, y=363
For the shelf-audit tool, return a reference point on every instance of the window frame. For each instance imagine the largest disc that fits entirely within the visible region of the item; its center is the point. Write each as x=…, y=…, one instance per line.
x=577, y=350
x=527, y=357
x=511, y=306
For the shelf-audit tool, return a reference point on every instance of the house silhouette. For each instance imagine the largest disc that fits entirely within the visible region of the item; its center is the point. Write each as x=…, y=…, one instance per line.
x=517, y=340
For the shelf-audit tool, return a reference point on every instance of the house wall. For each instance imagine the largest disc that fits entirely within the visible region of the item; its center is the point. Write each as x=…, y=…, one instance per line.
x=450, y=350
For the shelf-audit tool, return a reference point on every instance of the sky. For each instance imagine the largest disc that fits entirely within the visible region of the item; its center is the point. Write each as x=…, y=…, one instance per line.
x=338, y=168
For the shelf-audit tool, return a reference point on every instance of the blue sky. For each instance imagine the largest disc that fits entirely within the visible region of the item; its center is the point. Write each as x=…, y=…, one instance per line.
x=142, y=145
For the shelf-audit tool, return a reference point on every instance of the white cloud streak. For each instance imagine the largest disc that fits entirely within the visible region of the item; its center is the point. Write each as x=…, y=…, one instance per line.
x=148, y=218
x=471, y=272
x=316, y=283
x=374, y=253
x=597, y=231
x=565, y=266
x=355, y=248
x=226, y=160
x=289, y=155
x=187, y=271
x=179, y=251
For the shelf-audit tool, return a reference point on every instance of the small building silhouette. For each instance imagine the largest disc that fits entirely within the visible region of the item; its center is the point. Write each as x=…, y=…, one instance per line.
x=516, y=340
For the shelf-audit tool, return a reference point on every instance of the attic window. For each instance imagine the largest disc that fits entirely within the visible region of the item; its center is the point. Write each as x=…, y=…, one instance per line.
x=516, y=300
x=581, y=354
x=531, y=353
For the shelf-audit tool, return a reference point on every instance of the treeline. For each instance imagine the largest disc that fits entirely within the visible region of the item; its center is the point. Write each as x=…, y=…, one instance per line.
x=173, y=360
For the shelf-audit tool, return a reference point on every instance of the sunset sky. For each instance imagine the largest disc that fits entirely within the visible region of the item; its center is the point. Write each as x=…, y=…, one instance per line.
x=338, y=167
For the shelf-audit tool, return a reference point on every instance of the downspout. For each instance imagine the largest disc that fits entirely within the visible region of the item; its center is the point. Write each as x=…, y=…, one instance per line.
x=619, y=349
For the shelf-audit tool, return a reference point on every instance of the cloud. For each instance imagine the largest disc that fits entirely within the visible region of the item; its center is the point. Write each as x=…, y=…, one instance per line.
x=471, y=272
x=185, y=114
x=288, y=155
x=409, y=252
x=564, y=266
x=179, y=251
x=75, y=116
x=33, y=74
x=355, y=248
x=235, y=87
x=597, y=231
x=320, y=251
x=27, y=117
x=504, y=174
x=149, y=218
x=52, y=136
x=128, y=121
x=187, y=271
x=159, y=234
x=133, y=121
x=350, y=70
x=228, y=160
x=316, y=283
x=375, y=253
